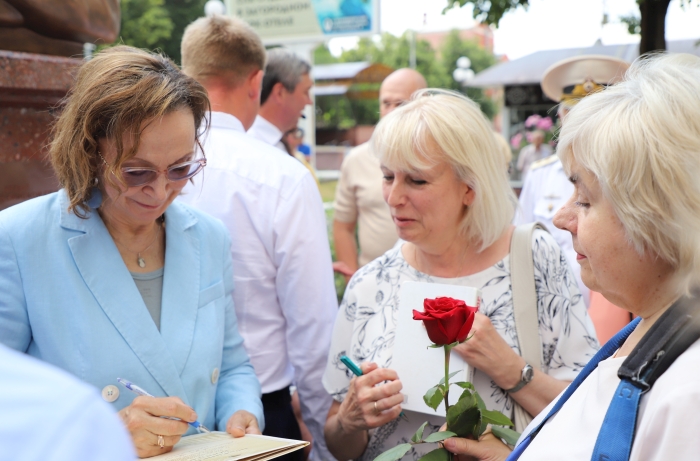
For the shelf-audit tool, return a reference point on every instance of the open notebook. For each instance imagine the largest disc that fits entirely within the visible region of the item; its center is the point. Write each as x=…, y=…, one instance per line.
x=220, y=446
x=418, y=366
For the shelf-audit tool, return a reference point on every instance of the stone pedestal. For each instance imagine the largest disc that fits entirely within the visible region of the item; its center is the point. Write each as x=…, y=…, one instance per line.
x=31, y=85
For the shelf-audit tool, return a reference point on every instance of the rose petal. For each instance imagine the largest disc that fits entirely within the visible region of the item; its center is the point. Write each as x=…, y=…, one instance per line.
x=436, y=332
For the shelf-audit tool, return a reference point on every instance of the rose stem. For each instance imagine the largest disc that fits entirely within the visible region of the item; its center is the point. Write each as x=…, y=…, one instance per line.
x=447, y=375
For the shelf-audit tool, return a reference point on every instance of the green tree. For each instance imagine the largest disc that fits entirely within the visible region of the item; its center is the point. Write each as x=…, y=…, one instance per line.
x=182, y=13
x=437, y=69
x=322, y=55
x=158, y=24
x=652, y=17
x=452, y=49
x=144, y=23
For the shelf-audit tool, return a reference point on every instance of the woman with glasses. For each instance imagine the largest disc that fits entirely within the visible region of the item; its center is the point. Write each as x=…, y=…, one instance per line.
x=109, y=278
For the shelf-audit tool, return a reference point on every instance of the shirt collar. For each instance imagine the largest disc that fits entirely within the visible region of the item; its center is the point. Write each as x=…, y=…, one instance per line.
x=224, y=120
x=266, y=131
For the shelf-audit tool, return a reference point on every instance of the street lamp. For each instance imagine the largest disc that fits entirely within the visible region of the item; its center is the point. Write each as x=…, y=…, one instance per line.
x=213, y=7
x=463, y=73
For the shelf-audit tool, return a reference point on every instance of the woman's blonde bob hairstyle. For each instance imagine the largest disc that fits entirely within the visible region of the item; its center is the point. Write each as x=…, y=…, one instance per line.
x=444, y=126
x=641, y=141
x=115, y=94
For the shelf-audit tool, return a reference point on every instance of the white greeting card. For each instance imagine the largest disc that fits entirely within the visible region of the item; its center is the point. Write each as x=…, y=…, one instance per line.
x=418, y=366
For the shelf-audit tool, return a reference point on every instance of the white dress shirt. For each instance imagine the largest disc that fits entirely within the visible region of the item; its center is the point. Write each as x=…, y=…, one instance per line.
x=284, y=293
x=266, y=132
x=50, y=415
x=546, y=190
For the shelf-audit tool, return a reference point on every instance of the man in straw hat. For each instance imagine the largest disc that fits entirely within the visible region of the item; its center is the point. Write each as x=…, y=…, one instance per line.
x=547, y=187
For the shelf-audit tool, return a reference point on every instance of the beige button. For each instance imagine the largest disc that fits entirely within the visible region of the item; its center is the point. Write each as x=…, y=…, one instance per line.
x=215, y=376
x=110, y=393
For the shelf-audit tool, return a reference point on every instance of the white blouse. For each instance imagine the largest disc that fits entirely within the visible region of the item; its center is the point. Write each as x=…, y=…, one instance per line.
x=366, y=323
x=667, y=422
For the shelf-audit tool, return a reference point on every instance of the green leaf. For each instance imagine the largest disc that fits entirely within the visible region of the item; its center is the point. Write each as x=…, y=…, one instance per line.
x=436, y=455
x=439, y=436
x=482, y=428
x=468, y=393
x=495, y=417
x=465, y=385
x=435, y=346
x=395, y=453
x=464, y=417
x=434, y=397
x=418, y=436
x=479, y=401
x=442, y=381
x=509, y=435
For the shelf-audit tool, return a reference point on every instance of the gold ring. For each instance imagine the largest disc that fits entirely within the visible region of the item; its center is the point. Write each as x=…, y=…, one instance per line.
x=161, y=441
x=376, y=410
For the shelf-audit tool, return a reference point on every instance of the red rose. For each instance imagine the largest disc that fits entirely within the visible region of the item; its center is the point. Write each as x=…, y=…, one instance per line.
x=447, y=320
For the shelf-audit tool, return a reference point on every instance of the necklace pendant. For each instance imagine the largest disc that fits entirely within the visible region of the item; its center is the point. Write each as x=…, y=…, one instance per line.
x=141, y=262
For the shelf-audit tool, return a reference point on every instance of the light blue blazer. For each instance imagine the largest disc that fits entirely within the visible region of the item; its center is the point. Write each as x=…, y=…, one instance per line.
x=66, y=297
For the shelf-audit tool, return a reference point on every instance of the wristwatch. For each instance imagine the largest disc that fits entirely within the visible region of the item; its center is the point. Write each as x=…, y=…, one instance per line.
x=525, y=377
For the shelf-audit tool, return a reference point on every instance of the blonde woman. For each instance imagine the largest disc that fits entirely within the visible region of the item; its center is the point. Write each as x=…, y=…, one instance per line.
x=632, y=152
x=448, y=192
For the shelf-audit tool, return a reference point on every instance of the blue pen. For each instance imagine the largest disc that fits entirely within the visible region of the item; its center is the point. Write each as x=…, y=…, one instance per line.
x=357, y=371
x=137, y=390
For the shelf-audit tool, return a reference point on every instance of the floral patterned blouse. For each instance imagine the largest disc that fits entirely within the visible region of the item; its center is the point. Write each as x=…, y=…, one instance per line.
x=366, y=323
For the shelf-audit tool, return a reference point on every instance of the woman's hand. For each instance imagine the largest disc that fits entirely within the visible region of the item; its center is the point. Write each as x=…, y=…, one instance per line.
x=144, y=422
x=241, y=423
x=488, y=352
x=368, y=405
x=487, y=448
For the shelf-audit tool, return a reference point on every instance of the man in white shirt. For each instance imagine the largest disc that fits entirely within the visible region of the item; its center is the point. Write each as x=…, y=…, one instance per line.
x=285, y=93
x=283, y=282
x=359, y=202
x=50, y=415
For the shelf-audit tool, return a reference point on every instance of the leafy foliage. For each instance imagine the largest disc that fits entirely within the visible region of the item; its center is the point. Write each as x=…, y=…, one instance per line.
x=488, y=11
x=437, y=455
x=433, y=398
x=158, y=24
x=418, y=436
x=145, y=23
x=509, y=435
x=395, y=453
x=633, y=23
x=439, y=436
x=436, y=66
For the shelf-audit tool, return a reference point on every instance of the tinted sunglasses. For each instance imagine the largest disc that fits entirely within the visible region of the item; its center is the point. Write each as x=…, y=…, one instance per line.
x=140, y=176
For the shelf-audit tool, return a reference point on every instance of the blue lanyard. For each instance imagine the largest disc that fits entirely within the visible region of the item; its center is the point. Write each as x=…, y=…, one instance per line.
x=619, y=420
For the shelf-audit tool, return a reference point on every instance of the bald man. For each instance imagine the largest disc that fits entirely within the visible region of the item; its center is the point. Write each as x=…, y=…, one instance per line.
x=358, y=198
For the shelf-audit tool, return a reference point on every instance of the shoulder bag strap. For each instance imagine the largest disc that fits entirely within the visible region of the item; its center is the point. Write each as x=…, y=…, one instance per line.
x=522, y=279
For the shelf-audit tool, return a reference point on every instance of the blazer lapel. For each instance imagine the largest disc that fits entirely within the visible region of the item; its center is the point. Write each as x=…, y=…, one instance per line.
x=104, y=272
x=180, y=284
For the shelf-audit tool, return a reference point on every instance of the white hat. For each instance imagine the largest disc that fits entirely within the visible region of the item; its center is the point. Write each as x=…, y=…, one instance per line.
x=571, y=79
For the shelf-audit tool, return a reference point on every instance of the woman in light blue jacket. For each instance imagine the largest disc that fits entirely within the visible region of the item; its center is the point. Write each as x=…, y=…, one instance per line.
x=109, y=278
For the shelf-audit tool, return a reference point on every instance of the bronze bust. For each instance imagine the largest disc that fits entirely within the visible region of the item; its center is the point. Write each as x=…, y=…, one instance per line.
x=57, y=27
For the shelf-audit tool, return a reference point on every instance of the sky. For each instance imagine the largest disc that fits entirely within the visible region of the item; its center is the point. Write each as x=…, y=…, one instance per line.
x=547, y=24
